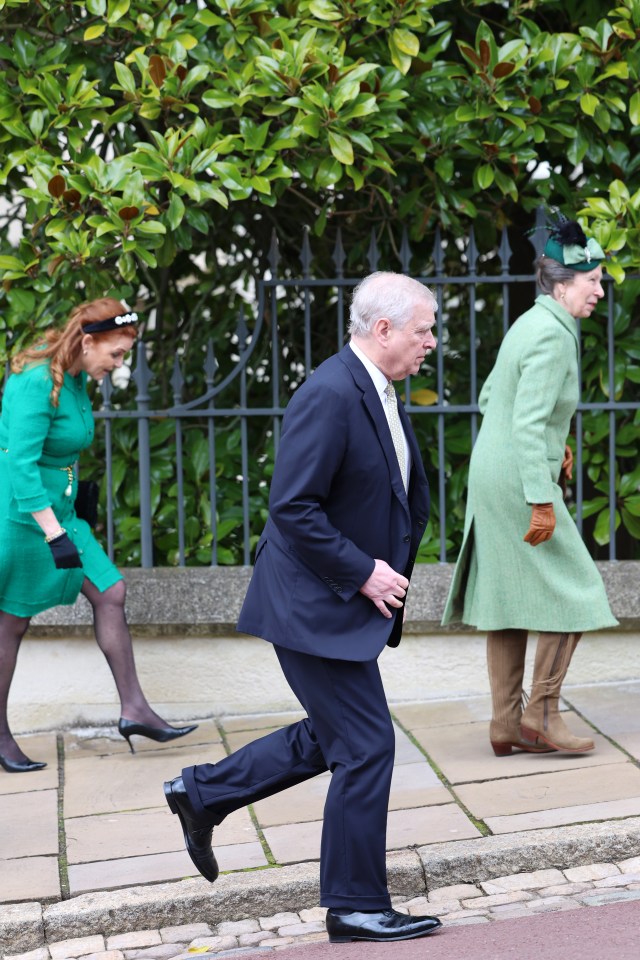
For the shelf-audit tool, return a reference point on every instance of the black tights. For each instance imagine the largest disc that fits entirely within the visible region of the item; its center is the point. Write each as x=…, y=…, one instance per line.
x=113, y=638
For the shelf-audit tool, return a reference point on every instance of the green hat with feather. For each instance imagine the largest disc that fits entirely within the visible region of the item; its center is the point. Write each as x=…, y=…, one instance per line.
x=569, y=245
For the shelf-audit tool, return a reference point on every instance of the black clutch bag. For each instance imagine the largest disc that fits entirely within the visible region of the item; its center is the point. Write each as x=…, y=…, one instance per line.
x=87, y=501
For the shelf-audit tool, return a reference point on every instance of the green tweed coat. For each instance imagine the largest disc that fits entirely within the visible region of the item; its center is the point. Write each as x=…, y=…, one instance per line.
x=38, y=443
x=501, y=582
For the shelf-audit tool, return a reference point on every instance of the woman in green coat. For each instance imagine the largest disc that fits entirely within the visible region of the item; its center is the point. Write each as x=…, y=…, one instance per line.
x=48, y=554
x=523, y=565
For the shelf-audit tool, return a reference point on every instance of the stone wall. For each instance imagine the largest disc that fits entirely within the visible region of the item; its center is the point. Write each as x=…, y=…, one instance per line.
x=206, y=601
x=192, y=663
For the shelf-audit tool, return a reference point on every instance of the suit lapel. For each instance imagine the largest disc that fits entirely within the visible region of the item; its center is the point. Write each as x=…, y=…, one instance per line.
x=372, y=403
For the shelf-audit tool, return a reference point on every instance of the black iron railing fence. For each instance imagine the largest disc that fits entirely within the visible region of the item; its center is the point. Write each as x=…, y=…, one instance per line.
x=266, y=358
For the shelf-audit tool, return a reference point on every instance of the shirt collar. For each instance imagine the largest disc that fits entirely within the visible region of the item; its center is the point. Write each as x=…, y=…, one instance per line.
x=379, y=379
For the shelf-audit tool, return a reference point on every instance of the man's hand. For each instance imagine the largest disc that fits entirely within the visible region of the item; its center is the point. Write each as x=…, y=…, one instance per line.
x=385, y=587
x=567, y=463
x=543, y=523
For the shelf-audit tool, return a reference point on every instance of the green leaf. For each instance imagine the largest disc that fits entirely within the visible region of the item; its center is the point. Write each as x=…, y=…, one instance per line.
x=125, y=77
x=11, y=263
x=634, y=108
x=406, y=42
x=117, y=9
x=602, y=118
x=444, y=167
x=261, y=184
x=485, y=176
x=198, y=219
x=127, y=267
x=324, y=10
x=150, y=227
x=402, y=61
x=36, y=122
x=208, y=18
x=588, y=104
x=631, y=522
x=601, y=531
x=94, y=31
x=97, y=7
x=341, y=148
x=147, y=257
x=328, y=173
x=175, y=213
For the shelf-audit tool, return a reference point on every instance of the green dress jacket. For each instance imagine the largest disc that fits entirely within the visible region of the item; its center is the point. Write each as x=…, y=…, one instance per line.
x=501, y=582
x=39, y=445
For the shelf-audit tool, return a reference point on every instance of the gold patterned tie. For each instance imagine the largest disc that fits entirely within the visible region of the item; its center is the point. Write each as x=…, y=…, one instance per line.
x=397, y=433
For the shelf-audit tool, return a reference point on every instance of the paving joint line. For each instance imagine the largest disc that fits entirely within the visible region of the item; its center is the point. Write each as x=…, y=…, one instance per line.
x=480, y=825
x=63, y=862
x=266, y=849
x=601, y=733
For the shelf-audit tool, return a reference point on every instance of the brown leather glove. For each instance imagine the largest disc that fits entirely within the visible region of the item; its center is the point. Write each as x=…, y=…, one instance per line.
x=543, y=523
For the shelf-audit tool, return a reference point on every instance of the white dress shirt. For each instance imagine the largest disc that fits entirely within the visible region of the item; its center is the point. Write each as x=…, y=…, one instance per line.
x=380, y=382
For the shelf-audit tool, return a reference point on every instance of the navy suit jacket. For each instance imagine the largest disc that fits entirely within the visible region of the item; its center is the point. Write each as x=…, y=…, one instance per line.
x=337, y=503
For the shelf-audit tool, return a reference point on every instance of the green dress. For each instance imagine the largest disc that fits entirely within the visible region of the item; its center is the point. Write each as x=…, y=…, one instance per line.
x=39, y=444
x=500, y=582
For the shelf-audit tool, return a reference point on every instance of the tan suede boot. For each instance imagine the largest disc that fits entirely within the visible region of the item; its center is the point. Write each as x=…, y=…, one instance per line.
x=506, y=651
x=541, y=720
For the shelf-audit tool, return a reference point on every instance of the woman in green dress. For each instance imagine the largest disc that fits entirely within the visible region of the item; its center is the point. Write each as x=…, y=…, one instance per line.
x=523, y=565
x=48, y=554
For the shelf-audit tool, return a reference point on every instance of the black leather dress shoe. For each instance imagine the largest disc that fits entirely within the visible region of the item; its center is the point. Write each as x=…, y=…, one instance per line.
x=383, y=925
x=197, y=829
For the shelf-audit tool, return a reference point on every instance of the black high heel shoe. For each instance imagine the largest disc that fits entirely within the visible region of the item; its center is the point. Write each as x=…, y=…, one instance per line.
x=127, y=728
x=21, y=766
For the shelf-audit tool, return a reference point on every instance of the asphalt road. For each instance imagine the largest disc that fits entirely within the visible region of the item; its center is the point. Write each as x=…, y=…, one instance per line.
x=610, y=932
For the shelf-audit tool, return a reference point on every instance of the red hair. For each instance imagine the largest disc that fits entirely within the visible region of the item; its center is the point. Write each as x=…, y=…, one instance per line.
x=63, y=346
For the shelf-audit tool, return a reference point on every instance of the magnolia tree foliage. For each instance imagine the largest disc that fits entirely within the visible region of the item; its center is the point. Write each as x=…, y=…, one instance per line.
x=133, y=131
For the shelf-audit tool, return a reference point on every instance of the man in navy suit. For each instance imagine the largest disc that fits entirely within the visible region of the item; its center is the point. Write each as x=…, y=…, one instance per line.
x=349, y=503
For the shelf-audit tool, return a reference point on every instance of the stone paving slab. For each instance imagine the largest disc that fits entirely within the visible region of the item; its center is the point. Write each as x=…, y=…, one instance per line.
x=473, y=817
x=463, y=753
x=611, y=707
x=631, y=743
x=580, y=813
x=104, y=784
x=261, y=722
x=34, y=824
x=143, y=832
x=548, y=791
x=41, y=747
x=132, y=871
x=29, y=878
x=441, y=713
x=298, y=842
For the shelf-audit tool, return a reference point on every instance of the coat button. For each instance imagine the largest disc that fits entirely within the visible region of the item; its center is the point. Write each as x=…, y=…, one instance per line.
x=406, y=539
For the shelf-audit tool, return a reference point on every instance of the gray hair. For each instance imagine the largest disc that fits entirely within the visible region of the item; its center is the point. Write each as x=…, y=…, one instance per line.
x=549, y=272
x=386, y=294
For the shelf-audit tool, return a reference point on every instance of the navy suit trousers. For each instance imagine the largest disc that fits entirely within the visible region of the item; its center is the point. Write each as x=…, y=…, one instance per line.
x=348, y=730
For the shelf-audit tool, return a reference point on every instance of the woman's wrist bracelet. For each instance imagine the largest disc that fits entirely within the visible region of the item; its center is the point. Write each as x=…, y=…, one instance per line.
x=54, y=536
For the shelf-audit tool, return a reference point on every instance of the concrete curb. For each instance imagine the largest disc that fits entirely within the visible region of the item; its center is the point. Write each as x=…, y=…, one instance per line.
x=28, y=926
x=486, y=858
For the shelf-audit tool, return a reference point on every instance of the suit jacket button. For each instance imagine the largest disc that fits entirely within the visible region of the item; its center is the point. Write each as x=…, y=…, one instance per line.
x=406, y=539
